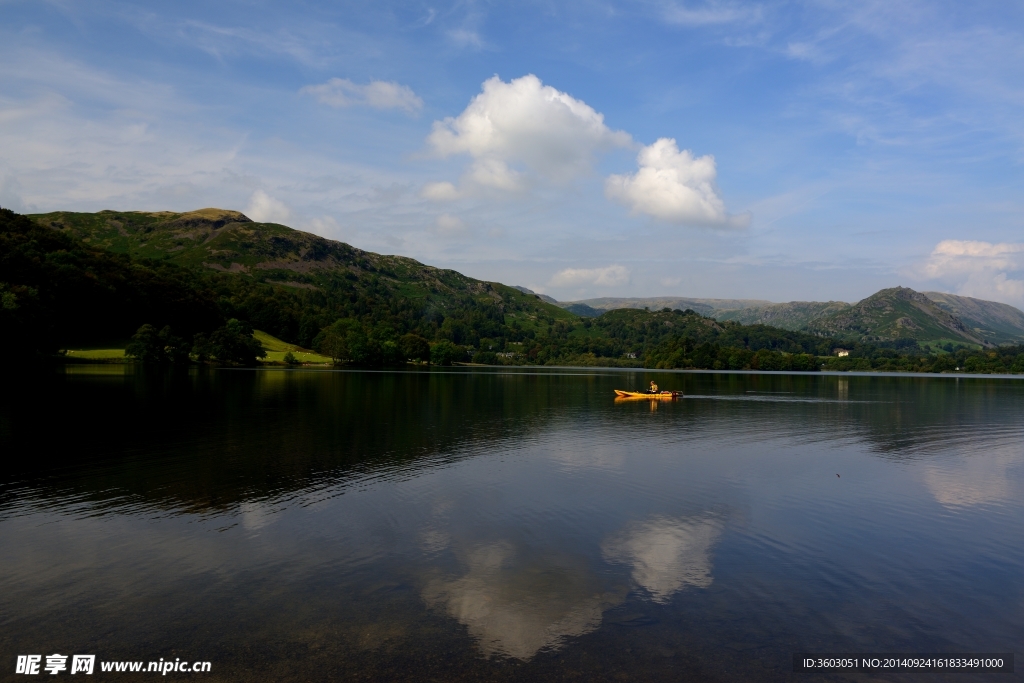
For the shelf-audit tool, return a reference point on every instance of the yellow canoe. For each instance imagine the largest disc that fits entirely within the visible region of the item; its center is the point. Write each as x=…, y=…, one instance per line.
x=661, y=395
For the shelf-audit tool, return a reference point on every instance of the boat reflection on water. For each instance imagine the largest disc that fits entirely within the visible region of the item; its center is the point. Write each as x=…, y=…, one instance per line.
x=634, y=396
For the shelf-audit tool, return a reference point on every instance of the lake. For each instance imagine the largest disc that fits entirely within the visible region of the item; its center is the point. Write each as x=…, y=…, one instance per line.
x=506, y=525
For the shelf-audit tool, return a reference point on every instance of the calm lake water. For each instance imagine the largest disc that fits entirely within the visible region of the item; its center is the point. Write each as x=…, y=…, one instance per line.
x=302, y=525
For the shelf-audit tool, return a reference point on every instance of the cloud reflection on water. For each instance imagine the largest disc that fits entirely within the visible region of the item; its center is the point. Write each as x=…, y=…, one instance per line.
x=972, y=480
x=515, y=604
x=666, y=553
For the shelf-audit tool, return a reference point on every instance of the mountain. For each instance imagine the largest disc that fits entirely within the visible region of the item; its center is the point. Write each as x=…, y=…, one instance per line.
x=220, y=240
x=291, y=283
x=542, y=297
x=229, y=242
x=892, y=314
x=999, y=323
x=795, y=315
x=583, y=310
x=981, y=321
x=294, y=284
x=709, y=307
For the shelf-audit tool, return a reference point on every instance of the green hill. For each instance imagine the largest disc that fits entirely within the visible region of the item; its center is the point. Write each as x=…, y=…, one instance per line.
x=293, y=283
x=229, y=242
x=795, y=315
x=996, y=322
x=892, y=314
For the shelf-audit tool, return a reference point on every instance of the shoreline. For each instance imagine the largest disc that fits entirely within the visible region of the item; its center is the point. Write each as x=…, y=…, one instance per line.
x=461, y=368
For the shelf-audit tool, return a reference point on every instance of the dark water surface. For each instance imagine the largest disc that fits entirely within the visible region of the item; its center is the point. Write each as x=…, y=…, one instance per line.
x=521, y=525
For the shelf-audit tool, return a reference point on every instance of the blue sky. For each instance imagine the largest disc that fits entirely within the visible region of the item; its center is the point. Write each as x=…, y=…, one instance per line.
x=776, y=150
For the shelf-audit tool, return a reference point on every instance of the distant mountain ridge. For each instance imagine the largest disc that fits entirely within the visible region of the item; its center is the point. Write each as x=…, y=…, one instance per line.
x=891, y=314
x=708, y=307
x=895, y=313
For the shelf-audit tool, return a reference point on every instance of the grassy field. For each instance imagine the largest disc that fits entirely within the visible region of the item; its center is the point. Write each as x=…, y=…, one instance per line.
x=276, y=349
x=96, y=354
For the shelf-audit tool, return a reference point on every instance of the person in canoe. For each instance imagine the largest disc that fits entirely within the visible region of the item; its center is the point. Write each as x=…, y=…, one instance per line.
x=654, y=388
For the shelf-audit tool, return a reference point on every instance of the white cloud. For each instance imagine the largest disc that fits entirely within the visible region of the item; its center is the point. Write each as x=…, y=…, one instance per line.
x=440, y=192
x=466, y=38
x=524, y=123
x=325, y=226
x=666, y=554
x=265, y=209
x=693, y=14
x=609, y=276
x=451, y=226
x=983, y=270
x=341, y=92
x=496, y=174
x=673, y=186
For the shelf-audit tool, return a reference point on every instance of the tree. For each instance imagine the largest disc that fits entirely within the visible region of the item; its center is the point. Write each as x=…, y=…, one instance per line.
x=146, y=346
x=444, y=353
x=391, y=353
x=234, y=343
x=149, y=346
x=485, y=358
x=202, y=348
x=334, y=340
x=415, y=347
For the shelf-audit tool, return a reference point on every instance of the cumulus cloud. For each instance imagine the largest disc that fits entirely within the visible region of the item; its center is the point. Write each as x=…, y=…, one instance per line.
x=609, y=276
x=666, y=554
x=523, y=126
x=673, y=186
x=265, y=209
x=341, y=92
x=984, y=270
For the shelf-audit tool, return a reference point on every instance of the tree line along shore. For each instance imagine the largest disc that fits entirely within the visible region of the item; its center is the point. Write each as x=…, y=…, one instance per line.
x=218, y=288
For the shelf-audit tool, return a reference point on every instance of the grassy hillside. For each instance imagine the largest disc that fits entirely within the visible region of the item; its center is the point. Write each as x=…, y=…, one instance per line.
x=292, y=283
x=998, y=323
x=895, y=313
x=277, y=349
x=229, y=242
x=58, y=292
x=795, y=315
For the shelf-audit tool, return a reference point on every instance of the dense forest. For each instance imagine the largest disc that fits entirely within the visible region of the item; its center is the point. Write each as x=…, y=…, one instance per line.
x=58, y=291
